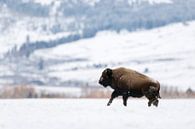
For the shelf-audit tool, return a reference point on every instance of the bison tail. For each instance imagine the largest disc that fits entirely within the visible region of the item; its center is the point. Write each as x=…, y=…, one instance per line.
x=159, y=96
x=158, y=86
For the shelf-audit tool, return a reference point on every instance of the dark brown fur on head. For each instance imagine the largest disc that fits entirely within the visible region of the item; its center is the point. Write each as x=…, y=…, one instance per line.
x=106, y=77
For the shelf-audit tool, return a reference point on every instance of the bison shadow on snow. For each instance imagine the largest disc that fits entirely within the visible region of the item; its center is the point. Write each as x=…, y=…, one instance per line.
x=128, y=82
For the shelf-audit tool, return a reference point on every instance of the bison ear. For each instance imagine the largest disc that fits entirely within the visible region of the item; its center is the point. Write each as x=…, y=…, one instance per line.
x=109, y=72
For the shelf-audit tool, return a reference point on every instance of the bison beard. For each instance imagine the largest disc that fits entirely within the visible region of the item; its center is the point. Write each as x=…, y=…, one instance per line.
x=127, y=82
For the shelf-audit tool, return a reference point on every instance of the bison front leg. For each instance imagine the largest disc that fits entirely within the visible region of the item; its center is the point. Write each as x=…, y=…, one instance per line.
x=125, y=97
x=155, y=102
x=114, y=95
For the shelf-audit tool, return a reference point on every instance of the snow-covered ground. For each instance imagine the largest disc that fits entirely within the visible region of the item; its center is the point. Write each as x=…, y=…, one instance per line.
x=94, y=114
x=167, y=53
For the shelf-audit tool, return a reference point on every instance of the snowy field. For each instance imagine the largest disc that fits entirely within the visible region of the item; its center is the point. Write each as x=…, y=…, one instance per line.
x=94, y=114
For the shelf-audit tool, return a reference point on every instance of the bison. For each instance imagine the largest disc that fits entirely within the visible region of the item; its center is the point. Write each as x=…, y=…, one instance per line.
x=128, y=82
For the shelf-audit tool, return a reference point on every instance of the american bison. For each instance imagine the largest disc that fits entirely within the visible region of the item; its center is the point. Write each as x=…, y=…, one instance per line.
x=128, y=82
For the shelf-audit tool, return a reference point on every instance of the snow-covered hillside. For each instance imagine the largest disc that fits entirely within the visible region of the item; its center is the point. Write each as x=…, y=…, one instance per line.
x=93, y=2
x=34, y=20
x=70, y=42
x=166, y=53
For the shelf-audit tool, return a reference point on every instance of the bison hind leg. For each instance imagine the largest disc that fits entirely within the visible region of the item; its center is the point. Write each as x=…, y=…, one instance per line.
x=150, y=102
x=152, y=95
x=153, y=101
x=154, y=91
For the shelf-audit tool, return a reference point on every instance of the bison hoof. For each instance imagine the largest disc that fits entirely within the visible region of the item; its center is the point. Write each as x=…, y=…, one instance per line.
x=155, y=103
x=149, y=104
x=108, y=104
x=125, y=104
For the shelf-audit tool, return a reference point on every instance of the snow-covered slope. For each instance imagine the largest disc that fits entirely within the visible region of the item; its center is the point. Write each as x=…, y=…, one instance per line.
x=33, y=20
x=93, y=2
x=65, y=42
x=166, y=54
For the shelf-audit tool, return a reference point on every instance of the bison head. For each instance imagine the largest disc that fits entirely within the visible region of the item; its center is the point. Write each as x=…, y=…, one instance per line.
x=106, y=77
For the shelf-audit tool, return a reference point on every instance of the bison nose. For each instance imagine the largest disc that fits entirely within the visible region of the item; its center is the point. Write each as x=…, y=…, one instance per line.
x=100, y=82
x=101, y=79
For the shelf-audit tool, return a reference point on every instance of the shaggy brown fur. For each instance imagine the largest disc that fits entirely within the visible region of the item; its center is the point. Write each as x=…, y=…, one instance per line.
x=128, y=82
